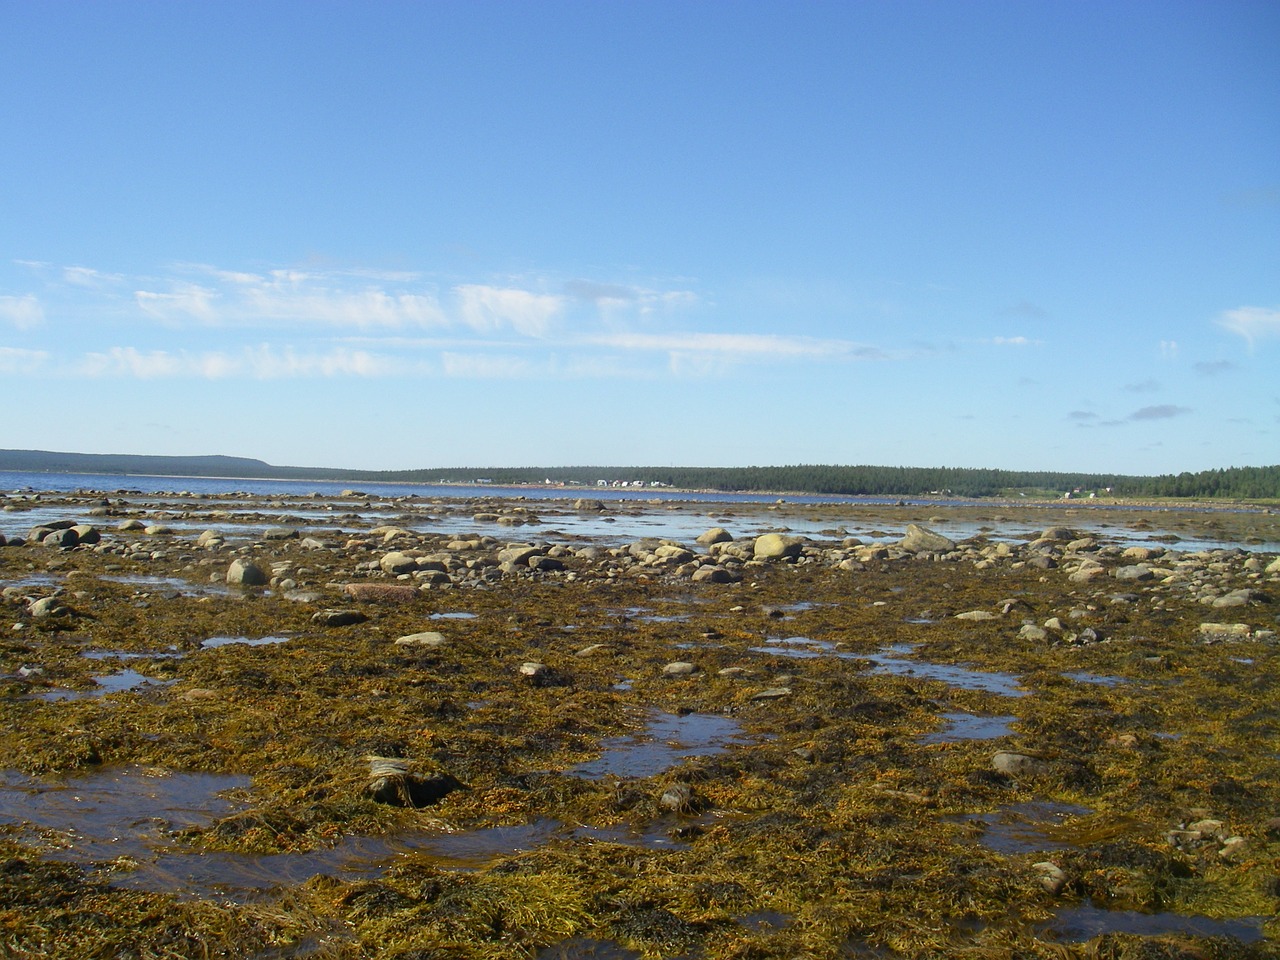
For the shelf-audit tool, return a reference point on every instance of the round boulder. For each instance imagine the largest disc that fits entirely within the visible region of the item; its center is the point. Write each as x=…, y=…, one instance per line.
x=246, y=573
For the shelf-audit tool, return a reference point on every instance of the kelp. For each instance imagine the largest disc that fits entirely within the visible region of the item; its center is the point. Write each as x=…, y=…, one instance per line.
x=831, y=814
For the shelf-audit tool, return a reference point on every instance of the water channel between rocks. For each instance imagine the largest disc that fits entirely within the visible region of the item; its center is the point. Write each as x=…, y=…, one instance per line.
x=129, y=816
x=892, y=660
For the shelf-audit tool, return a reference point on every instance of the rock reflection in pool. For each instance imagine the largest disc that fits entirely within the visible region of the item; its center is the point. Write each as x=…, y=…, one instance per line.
x=969, y=726
x=117, y=811
x=136, y=813
x=1027, y=827
x=891, y=660
x=584, y=948
x=215, y=642
x=1078, y=924
x=666, y=741
x=121, y=682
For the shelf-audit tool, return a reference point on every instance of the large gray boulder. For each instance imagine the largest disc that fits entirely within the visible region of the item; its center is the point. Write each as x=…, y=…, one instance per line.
x=397, y=562
x=921, y=539
x=776, y=546
x=246, y=573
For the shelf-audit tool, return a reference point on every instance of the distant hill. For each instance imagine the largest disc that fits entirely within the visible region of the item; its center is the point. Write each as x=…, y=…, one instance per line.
x=1255, y=483
x=45, y=461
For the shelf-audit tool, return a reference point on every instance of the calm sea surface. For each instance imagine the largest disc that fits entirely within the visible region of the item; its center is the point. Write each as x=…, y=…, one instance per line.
x=636, y=511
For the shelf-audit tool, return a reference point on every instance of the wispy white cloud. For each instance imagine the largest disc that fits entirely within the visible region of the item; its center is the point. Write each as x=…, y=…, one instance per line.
x=613, y=300
x=739, y=345
x=1252, y=323
x=484, y=366
x=88, y=277
x=1169, y=349
x=1015, y=342
x=186, y=301
x=16, y=360
x=359, y=309
x=23, y=312
x=258, y=363
x=487, y=309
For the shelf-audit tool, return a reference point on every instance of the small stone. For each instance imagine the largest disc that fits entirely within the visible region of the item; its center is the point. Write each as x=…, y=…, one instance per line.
x=712, y=574
x=1018, y=764
x=679, y=668
x=338, y=618
x=677, y=797
x=1233, y=848
x=428, y=638
x=773, y=693
x=977, y=615
x=714, y=535
x=1052, y=877
x=47, y=607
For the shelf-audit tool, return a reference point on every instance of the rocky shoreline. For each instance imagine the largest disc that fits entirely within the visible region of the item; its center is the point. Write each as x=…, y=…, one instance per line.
x=396, y=672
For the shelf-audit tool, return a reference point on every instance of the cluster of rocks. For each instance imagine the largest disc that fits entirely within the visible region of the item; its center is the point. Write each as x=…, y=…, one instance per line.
x=1205, y=835
x=1221, y=580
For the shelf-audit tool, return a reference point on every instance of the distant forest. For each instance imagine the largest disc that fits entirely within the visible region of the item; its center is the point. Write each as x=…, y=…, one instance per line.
x=1239, y=483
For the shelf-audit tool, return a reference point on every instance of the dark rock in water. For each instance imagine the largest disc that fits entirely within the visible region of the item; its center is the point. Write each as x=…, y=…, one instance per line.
x=338, y=618
x=390, y=782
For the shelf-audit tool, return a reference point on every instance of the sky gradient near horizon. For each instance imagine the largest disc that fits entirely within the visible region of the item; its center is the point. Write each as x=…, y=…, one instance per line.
x=392, y=235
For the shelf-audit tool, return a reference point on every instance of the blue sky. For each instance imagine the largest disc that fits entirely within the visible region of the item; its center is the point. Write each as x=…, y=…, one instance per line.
x=1029, y=235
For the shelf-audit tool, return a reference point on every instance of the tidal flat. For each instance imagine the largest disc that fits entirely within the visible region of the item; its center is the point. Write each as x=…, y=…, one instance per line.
x=346, y=727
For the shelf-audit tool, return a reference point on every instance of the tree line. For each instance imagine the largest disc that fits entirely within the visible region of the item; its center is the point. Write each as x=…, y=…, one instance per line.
x=1239, y=483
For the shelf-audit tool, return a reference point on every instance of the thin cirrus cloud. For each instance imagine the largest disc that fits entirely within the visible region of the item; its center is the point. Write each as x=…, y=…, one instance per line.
x=1251, y=323
x=260, y=363
x=298, y=298
x=739, y=345
x=18, y=360
x=23, y=312
x=490, y=309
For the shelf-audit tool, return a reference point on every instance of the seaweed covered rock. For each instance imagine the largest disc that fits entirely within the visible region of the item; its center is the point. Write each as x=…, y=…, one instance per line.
x=392, y=782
